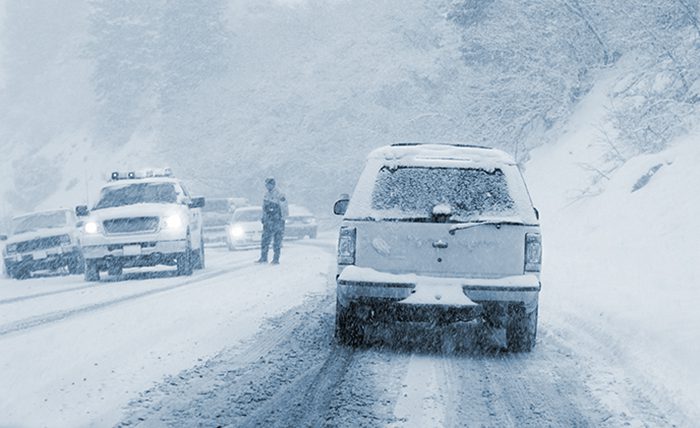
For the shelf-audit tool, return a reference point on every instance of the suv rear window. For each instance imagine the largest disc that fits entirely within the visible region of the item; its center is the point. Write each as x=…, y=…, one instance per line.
x=413, y=191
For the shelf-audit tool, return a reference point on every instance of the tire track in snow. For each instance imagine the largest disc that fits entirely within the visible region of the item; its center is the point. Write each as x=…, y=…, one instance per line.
x=46, y=293
x=23, y=298
x=290, y=374
x=40, y=320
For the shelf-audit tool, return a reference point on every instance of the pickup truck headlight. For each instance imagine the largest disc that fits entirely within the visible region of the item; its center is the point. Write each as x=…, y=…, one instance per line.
x=173, y=222
x=91, y=227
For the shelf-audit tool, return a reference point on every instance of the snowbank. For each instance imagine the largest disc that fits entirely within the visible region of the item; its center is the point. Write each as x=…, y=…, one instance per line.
x=621, y=262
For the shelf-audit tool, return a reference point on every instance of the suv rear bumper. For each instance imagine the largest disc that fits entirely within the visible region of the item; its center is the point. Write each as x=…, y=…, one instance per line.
x=434, y=293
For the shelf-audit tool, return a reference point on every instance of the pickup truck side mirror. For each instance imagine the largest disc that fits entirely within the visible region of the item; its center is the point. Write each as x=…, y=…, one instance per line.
x=341, y=206
x=196, y=202
x=82, y=211
x=3, y=237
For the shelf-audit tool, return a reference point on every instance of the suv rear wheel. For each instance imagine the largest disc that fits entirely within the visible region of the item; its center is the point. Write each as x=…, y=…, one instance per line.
x=349, y=328
x=521, y=330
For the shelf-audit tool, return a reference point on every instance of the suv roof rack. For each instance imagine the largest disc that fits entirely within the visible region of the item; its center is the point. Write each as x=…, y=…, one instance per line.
x=473, y=146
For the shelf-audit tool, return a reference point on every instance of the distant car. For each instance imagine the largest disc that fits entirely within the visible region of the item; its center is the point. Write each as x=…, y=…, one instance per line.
x=245, y=228
x=46, y=240
x=439, y=233
x=215, y=216
x=300, y=223
x=142, y=219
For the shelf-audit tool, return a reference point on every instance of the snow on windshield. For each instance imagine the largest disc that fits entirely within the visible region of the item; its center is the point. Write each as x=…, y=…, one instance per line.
x=415, y=191
x=139, y=193
x=39, y=221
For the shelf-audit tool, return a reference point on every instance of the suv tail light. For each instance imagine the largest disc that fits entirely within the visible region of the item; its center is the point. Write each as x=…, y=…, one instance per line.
x=533, y=252
x=346, y=245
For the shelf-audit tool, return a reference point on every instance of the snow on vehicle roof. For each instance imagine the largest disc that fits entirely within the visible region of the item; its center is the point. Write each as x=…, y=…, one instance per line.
x=437, y=155
x=298, y=210
x=153, y=180
x=245, y=209
x=33, y=213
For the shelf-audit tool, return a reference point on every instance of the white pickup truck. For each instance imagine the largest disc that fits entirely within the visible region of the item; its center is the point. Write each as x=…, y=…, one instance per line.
x=439, y=233
x=142, y=219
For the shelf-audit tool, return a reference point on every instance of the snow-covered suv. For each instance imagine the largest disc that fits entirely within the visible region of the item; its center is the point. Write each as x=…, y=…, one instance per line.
x=46, y=240
x=439, y=233
x=142, y=219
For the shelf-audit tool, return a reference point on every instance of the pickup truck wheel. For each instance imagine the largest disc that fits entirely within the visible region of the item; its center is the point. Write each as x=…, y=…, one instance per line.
x=199, y=256
x=348, y=327
x=521, y=331
x=115, y=270
x=20, y=273
x=184, y=263
x=76, y=266
x=92, y=271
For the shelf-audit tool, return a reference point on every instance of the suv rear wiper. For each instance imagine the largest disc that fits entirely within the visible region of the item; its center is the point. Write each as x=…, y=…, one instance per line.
x=497, y=223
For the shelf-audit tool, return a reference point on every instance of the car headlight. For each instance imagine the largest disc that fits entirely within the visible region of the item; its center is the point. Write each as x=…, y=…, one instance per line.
x=173, y=222
x=237, y=232
x=91, y=227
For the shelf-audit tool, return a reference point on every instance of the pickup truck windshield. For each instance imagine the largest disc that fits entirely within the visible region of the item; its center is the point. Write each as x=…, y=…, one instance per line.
x=39, y=221
x=140, y=193
x=412, y=192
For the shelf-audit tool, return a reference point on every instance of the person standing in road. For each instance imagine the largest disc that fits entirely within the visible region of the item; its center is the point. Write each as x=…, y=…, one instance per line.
x=274, y=213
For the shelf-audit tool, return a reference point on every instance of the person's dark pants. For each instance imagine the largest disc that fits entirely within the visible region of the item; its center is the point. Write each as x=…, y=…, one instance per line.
x=272, y=234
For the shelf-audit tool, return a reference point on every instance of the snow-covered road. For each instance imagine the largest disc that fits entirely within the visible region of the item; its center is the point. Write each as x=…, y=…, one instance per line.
x=244, y=345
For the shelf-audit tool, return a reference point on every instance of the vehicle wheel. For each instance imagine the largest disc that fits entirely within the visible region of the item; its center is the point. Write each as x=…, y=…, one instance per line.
x=348, y=327
x=20, y=273
x=521, y=331
x=184, y=263
x=76, y=266
x=92, y=271
x=199, y=257
x=115, y=270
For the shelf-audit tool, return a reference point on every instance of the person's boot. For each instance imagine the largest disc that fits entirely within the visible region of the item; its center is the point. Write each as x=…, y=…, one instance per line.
x=262, y=259
x=276, y=259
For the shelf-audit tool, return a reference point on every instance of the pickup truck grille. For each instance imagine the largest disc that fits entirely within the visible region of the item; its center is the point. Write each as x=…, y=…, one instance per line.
x=42, y=243
x=131, y=225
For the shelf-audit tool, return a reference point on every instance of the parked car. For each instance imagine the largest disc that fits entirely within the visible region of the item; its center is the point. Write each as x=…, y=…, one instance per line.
x=46, y=240
x=300, y=223
x=145, y=218
x=245, y=228
x=215, y=216
x=439, y=233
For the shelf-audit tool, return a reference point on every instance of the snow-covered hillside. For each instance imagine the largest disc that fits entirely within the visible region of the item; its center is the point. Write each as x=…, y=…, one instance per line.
x=302, y=90
x=621, y=247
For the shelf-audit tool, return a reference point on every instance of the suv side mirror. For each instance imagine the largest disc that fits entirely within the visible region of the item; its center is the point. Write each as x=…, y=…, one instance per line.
x=341, y=206
x=3, y=237
x=82, y=211
x=196, y=202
